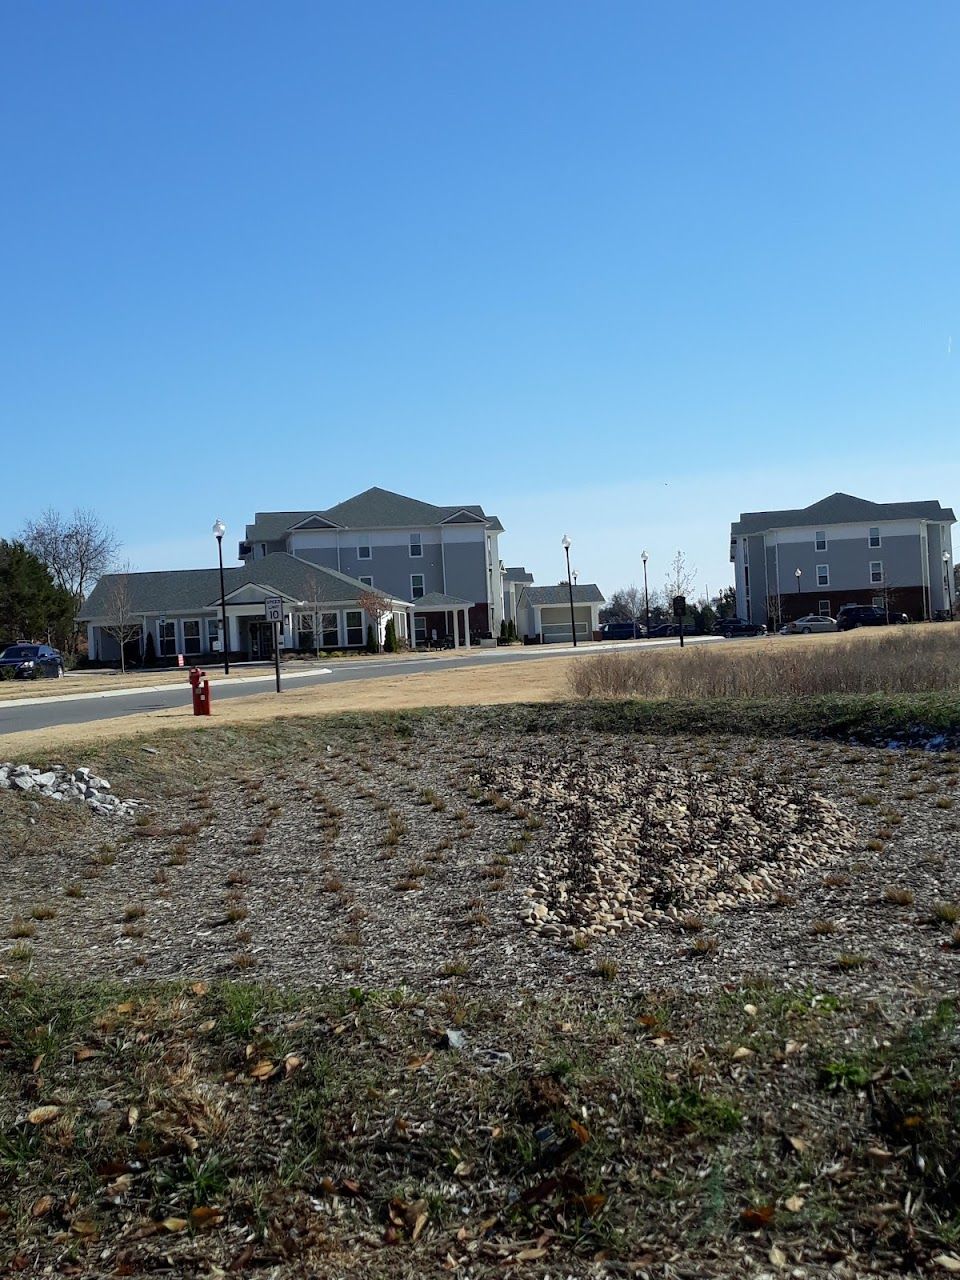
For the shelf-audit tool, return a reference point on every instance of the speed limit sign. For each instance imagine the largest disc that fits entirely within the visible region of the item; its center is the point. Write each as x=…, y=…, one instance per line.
x=273, y=609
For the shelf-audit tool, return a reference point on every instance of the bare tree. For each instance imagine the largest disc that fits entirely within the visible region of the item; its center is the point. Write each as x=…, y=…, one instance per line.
x=313, y=600
x=76, y=549
x=627, y=603
x=376, y=607
x=680, y=577
x=121, y=624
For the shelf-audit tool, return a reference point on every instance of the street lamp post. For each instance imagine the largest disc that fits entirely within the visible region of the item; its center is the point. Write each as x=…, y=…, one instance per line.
x=646, y=594
x=573, y=619
x=797, y=573
x=219, y=529
x=946, y=574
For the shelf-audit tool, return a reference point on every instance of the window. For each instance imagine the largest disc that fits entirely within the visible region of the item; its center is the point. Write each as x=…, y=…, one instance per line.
x=354, y=620
x=363, y=550
x=821, y=540
x=167, y=639
x=874, y=538
x=305, y=631
x=879, y=602
x=416, y=546
x=823, y=575
x=416, y=586
x=213, y=635
x=419, y=629
x=329, y=631
x=191, y=635
x=823, y=608
x=876, y=570
x=366, y=580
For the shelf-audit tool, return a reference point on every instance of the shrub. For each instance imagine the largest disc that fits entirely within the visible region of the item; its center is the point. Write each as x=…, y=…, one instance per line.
x=390, y=644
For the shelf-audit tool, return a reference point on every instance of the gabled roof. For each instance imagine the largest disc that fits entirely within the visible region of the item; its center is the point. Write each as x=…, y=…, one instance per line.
x=589, y=593
x=518, y=574
x=180, y=590
x=373, y=509
x=840, y=508
x=436, y=600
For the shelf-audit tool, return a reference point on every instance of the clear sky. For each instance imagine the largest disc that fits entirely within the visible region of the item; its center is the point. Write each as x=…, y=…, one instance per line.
x=619, y=270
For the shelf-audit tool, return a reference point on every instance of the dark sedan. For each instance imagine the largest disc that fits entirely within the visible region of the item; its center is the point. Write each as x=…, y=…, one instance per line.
x=731, y=627
x=32, y=661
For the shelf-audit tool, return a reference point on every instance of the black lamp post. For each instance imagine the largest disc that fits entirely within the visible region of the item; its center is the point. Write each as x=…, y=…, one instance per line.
x=646, y=593
x=219, y=529
x=946, y=574
x=797, y=574
x=573, y=618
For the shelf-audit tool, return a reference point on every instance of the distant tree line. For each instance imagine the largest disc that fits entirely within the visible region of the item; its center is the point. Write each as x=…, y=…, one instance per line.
x=628, y=604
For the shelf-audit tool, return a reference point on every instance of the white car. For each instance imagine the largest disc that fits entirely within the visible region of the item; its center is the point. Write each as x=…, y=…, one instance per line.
x=809, y=623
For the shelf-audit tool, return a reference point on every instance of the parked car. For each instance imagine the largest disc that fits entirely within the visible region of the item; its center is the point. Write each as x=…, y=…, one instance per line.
x=866, y=615
x=32, y=661
x=622, y=631
x=666, y=629
x=809, y=623
x=732, y=627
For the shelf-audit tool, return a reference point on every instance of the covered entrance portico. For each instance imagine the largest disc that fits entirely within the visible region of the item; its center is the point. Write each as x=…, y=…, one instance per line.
x=446, y=616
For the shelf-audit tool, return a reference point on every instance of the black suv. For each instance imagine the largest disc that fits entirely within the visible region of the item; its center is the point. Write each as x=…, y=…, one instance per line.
x=31, y=661
x=731, y=627
x=865, y=615
x=622, y=631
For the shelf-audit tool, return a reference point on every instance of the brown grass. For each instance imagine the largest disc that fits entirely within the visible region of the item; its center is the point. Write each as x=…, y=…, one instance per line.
x=899, y=660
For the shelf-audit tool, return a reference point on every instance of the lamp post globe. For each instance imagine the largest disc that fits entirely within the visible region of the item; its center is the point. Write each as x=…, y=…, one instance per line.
x=219, y=529
x=565, y=543
x=798, y=573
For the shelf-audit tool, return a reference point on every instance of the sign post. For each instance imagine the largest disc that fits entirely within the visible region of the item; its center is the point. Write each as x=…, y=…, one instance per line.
x=679, y=609
x=273, y=612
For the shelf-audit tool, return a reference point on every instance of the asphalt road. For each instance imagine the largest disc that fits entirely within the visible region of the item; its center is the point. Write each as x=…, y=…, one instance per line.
x=51, y=711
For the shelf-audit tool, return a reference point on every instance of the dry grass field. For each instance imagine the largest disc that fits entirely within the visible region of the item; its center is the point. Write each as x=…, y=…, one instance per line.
x=480, y=992
x=872, y=660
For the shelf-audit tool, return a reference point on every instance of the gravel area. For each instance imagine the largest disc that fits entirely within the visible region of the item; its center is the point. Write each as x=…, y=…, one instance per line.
x=394, y=863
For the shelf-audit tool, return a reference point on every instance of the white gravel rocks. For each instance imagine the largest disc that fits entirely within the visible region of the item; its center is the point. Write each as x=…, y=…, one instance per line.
x=82, y=786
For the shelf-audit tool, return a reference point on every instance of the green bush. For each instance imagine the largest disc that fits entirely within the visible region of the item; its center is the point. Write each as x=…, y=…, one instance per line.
x=390, y=637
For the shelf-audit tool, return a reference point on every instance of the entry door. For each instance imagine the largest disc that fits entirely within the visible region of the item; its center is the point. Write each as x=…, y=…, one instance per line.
x=261, y=640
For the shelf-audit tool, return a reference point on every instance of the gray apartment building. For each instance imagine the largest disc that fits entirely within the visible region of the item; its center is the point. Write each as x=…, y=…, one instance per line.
x=843, y=550
x=399, y=546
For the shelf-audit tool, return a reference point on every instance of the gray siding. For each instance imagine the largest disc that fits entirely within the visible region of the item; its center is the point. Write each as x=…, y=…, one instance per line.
x=325, y=556
x=466, y=565
x=848, y=560
x=391, y=567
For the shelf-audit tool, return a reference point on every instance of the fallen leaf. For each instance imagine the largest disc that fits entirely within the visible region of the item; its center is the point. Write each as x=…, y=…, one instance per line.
x=126, y=1007
x=262, y=1069
x=742, y=1052
x=199, y=988
x=38, y=1062
x=205, y=1216
x=777, y=1257
x=133, y=1115
x=793, y=1203
x=751, y=1009
x=207, y=1025
x=43, y=1115
x=175, y=1224
x=292, y=1063
x=589, y=1205
x=83, y=1227
x=949, y=1261
x=42, y=1206
x=463, y=1169
x=879, y=1155
x=418, y=1063
x=580, y=1132
x=120, y=1186
x=529, y=1255
x=84, y=1053
x=798, y=1144
x=328, y=1186
x=757, y=1216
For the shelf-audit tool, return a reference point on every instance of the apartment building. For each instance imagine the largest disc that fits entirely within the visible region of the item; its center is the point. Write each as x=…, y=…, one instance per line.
x=842, y=550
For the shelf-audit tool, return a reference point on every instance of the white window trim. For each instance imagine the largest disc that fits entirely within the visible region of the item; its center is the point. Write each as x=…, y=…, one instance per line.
x=419, y=629
x=366, y=579
x=423, y=586
x=193, y=653
x=823, y=608
x=347, y=628
x=816, y=540
x=878, y=581
x=824, y=571
x=364, y=550
x=416, y=548
x=874, y=546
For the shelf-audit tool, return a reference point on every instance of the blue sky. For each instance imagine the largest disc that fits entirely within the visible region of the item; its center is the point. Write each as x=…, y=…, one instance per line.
x=610, y=269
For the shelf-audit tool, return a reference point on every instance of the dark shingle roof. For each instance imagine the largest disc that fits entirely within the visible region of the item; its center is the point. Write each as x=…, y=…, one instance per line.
x=518, y=574
x=373, y=509
x=177, y=590
x=589, y=593
x=839, y=508
x=436, y=600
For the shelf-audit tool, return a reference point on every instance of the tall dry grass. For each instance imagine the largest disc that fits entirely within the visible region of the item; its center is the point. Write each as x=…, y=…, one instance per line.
x=916, y=659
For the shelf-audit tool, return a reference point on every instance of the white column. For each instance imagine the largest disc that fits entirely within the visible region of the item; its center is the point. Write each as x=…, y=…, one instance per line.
x=456, y=628
x=411, y=628
x=466, y=628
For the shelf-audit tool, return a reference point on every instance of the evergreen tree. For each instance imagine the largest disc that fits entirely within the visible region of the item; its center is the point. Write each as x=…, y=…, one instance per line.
x=371, y=641
x=390, y=636
x=32, y=607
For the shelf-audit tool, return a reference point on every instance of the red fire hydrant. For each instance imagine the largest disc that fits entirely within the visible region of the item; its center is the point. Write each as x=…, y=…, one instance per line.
x=201, y=691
